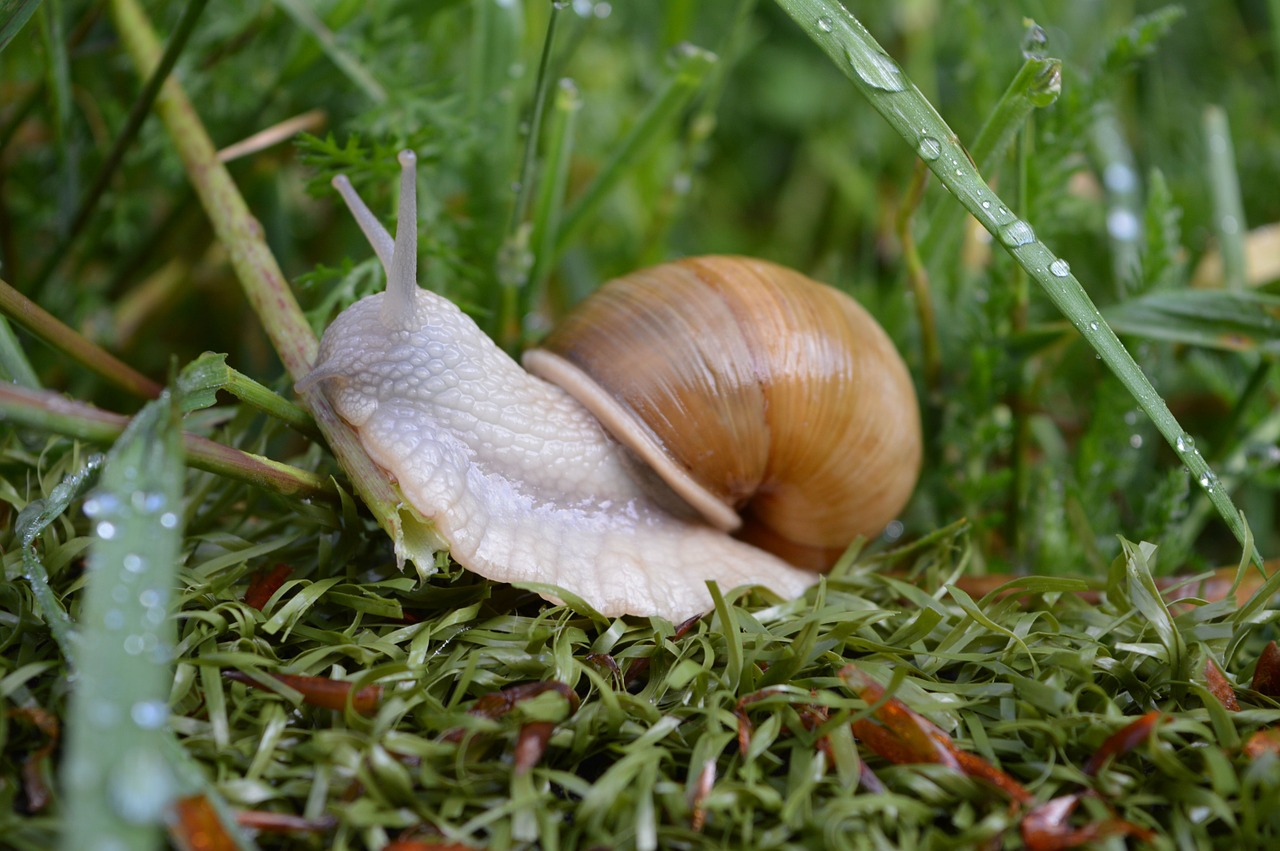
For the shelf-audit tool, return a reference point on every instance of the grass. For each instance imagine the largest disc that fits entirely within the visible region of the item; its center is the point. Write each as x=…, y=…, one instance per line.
x=1004, y=669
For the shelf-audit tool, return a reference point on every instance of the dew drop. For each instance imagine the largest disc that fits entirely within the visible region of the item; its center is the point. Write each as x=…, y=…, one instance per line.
x=1034, y=42
x=1119, y=178
x=134, y=563
x=1017, y=233
x=106, y=530
x=824, y=24
x=134, y=645
x=930, y=148
x=1135, y=440
x=1122, y=225
x=877, y=71
x=1060, y=269
x=149, y=714
x=151, y=597
x=141, y=787
x=986, y=205
x=1185, y=443
x=1093, y=326
x=168, y=520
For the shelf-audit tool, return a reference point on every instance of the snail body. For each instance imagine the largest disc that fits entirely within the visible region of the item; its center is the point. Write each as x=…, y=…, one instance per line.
x=597, y=488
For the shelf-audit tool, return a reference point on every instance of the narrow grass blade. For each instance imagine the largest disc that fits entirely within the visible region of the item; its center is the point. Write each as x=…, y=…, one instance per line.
x=1036, y=85
x=118, y=780
x=1228, y=210
x=1237, y=321
x=692, y=67
x=14, y=15
x=878, y=77
x=549, y=204
x=307, y=20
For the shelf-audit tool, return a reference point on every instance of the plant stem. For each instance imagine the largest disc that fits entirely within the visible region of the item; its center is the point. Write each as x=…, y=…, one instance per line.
x=899, y=102
x=267, y=290
x=55, y=413
x=67, y=340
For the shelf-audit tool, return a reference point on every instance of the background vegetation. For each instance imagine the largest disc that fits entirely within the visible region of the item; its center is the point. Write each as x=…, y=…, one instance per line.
x=1149, y=161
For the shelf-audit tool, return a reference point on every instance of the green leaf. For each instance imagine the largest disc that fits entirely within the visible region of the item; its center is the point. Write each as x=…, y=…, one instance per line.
x=1238, y=321
x=119, y=783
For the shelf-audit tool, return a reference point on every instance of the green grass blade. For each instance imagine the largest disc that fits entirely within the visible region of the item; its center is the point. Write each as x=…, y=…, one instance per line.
x=878, y=77
x=549, y=204
x=1228, y=209
x=1036, y=85
x=692, y=67
x=1237, y=321
x=357, y=73
x=14, y=15
x=118, y=782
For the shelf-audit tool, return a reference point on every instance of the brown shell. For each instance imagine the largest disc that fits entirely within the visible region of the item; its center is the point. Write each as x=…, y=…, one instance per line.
x=779, y=396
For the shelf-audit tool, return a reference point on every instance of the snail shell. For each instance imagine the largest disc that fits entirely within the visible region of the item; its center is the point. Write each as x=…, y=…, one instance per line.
x=753, y=391
x=529, y=482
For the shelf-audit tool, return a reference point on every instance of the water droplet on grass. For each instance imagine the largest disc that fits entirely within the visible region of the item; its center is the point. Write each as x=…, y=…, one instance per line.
x=1060, y=269
x=877, y=71
x=1017, y=233
x=930, y=148
x=149, y=714
x=824, y=24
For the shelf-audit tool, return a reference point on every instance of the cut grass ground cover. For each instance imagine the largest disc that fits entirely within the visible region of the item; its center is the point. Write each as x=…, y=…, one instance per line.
x=314, y=695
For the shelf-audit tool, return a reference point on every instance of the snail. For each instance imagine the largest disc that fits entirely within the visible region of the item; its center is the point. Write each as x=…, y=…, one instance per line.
x=715, y=418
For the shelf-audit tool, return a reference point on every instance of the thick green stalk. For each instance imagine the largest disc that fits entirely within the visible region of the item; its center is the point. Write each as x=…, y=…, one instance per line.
x=53, y=412
x=878, y=77
x=267, y=290
x=67, y=340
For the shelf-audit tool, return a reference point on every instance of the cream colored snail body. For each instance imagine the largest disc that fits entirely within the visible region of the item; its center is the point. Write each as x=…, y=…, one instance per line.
x=675, y=401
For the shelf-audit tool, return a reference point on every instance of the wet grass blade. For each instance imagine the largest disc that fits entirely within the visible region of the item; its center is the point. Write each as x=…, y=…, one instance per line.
x=117, y=780
x=877, y=76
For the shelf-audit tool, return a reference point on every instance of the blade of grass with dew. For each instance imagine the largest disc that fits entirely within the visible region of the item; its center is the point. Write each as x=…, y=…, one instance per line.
x=118, y=782
x=693, y=64
x=33, y=520
x=1036, y=85
x=878, y=78
x=268, y=292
